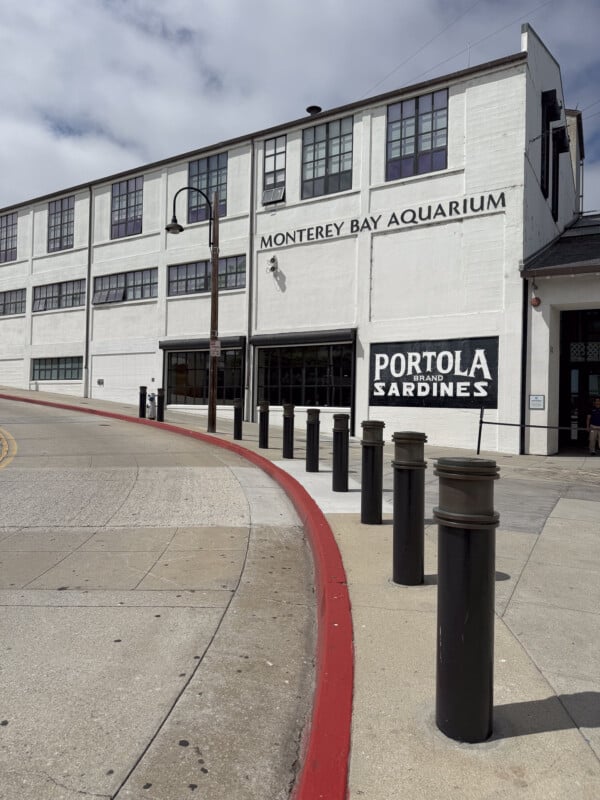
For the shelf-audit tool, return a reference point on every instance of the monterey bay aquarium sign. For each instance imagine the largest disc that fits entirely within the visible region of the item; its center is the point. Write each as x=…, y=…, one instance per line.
x=450, y=373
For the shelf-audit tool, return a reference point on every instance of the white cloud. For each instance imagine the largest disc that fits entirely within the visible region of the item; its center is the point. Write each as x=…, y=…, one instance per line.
x=109, y=85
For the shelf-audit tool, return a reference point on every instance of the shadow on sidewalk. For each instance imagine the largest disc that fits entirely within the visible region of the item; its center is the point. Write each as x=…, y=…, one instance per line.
x=580, y=710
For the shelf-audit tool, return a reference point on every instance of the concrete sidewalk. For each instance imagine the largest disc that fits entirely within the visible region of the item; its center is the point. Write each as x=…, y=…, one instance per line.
x=546, y=740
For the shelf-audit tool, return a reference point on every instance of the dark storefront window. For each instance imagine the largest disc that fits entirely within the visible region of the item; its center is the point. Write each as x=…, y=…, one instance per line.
x=579, y=372
x=187, y=377
x=316, y=375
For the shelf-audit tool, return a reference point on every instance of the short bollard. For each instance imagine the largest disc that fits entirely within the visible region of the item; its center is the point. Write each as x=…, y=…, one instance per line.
x=312, y=439
x=288, y=430
x=339, y=481
x=263, y=425
x=371, y=494
x=160, y=405
x=409, y=508
x=237, y=419
x=142, y=412
x=465, y=614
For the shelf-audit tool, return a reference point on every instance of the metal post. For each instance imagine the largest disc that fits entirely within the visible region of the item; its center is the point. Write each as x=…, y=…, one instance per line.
x=160, y=405
x=214, y=319
x=237, y=419
x=480, y=427
x=288, y=430
x=339, y=482
x=465, y=615
x=312, y=439
x=143, y=390
x=409, y=508
x=372, y=472
x=263, y=425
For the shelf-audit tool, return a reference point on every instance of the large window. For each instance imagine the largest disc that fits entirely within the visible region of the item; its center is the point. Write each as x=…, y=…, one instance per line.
x=12, y=302
x=59, y=295
x=274, y=170
x=61, y=215
x=195, y=277
x=417, y=135
x=122, y=286
x=319, y=375
x=187, y=377
x=209, y=175
x=8, y=238
x=57, y=369
x=327, y=158
x=127, y=206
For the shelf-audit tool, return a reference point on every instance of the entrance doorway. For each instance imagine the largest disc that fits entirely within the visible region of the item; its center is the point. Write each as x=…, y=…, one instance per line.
x=579, y=374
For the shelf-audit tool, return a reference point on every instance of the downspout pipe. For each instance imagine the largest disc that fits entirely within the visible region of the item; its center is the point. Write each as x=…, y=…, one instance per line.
x=88, y=301
x=249, y=366
x=524, y=364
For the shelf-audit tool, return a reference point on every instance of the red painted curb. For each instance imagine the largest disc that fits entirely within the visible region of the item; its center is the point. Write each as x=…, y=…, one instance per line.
x=324, y=773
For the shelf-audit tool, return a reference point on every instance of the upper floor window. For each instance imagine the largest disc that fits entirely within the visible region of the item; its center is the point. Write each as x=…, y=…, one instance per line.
x=209, y=175
x=59, y=295
x=327, y=158
x=121, y=286
x=274, y=170
x=12, y=302
x=417, y=135
x=61, y=215
x=127, y=202
x=196, y=277
x=8, y=237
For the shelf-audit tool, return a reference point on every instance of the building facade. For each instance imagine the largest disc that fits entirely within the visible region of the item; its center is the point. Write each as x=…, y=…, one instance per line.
x=374, y=259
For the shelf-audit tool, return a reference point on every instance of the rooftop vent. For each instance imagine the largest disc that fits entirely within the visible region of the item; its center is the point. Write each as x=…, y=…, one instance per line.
x=313, y=110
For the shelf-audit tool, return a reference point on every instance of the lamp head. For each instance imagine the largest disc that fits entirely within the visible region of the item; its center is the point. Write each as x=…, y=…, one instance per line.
x=174, y=226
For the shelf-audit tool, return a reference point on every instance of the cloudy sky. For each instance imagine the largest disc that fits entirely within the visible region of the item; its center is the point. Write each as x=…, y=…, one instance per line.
x=93, y=87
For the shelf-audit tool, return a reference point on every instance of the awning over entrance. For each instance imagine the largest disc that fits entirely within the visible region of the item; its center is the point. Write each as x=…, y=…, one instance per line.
x=575, y=252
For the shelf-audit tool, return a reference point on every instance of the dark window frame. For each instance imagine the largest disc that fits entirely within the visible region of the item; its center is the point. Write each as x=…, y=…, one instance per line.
x=123, y=287
x=61, y=224
x=550, y=113
x=208, y=174
x=13, y=301
x=8, y=237
x=50, y=296
x=187, y=376
x=195, y=277
x=64, y=368
x=127, y=207
x=274, y=169
x=326, y=148
x=417, y=136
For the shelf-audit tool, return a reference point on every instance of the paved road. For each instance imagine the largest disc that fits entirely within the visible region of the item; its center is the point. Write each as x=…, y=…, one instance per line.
x=157, y=624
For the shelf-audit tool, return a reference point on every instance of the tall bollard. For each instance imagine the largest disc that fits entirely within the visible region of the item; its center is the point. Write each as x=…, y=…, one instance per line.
x=237, y=419
x=465, y=616
x=143, y=390
x=160, y=405
x=339, y=481
x=263, y=425
x=372, y=472
x=312, y=439
x=409, y=508
x=288, y=430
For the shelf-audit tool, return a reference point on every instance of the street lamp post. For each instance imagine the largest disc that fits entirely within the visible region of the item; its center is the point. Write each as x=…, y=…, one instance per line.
x=213, y=242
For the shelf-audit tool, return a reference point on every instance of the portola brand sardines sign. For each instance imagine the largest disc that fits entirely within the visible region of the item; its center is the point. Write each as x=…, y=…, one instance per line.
x=449, y=373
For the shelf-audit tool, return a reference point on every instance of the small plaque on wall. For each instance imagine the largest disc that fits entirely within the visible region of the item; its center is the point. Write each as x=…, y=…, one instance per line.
x=537, y=402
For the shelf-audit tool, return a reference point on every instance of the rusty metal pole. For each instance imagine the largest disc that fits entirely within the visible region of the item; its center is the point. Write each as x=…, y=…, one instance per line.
x=214, y=354
x=466, y=583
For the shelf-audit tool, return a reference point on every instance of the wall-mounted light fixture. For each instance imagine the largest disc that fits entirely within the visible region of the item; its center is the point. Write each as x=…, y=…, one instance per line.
x=272, y=265
x=535, y=300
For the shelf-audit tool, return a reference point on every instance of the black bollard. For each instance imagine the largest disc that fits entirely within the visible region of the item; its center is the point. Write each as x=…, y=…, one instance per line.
x=339, y=482
x=237, y=419
x=160, y=405
x=465, y=615
x=263, y=425
x=372, y=472
x=288, y=430
x=312, y=439
x=409, y=508
x=143, y=390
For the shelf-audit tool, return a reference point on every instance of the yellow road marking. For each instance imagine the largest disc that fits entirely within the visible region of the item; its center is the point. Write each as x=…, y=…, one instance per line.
x=8, y=448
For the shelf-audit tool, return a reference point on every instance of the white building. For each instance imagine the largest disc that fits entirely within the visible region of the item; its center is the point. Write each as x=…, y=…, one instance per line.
x=378, y=259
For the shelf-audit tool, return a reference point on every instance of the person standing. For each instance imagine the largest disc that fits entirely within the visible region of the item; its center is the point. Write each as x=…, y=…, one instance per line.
x=593, y=426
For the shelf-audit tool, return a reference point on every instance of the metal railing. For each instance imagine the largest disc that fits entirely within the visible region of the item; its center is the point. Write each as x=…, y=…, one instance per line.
x=520, y=425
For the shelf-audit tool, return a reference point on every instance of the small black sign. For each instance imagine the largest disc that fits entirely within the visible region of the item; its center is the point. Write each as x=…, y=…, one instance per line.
x=448, y=373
